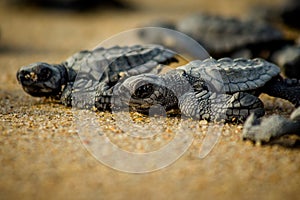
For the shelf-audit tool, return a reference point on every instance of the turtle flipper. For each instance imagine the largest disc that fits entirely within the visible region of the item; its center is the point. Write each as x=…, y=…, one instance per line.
x=77, y=98
x=275, y=126
x=66, y=96
x=288, y=89
x=212, y=106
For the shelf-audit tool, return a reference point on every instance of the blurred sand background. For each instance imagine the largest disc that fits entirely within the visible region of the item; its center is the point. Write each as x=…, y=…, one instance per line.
x=41, y=155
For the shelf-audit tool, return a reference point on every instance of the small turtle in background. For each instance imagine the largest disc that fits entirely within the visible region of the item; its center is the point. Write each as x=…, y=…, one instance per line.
x=287, y=13
x=228, y=36
x=92, y=71
x=225, y=89
x=233, y=37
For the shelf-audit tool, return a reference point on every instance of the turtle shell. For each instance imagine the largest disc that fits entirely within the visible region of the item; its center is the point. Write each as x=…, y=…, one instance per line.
x=228, y=75
x=110, y=62
x=102, y=68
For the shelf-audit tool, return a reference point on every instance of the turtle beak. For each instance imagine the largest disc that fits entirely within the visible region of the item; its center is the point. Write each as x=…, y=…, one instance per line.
x=25, y=77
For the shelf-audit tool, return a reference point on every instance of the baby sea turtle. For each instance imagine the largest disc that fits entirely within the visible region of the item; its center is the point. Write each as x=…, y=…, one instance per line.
x=223, y=36
x=228, y=36
x=211, y=89
x=99, y=70
x=233, y=37
x=287, y=12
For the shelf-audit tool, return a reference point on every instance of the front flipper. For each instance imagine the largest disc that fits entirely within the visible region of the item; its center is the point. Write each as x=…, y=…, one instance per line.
x=78, y=98
x=66, y=96
x=215, y=107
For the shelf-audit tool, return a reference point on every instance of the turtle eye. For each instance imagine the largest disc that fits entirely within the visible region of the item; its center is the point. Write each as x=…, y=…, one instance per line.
x=44, y=74
x=144, y=91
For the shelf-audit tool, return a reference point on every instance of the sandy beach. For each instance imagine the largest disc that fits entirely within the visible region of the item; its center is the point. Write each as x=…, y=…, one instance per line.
x=43, y=157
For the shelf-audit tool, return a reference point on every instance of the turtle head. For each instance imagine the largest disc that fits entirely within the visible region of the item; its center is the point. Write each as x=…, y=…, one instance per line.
x=141, y=92
x=42, y=79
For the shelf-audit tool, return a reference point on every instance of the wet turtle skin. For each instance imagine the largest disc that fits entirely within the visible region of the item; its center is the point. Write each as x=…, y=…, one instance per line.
x=225, y=89
x=92, y=73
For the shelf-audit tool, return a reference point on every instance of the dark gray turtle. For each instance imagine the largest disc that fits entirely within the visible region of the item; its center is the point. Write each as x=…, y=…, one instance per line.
x=210, y=89
x=287, y=12
x=223, y=37
x=98, y=70
x=275, y=126
x=232, y=37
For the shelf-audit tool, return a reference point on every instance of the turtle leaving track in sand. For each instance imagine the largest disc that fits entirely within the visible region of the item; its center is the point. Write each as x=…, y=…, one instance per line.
x=223, y=89
x=99, y=70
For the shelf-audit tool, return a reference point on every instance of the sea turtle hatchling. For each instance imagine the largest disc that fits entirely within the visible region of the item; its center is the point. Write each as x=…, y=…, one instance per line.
x=234, y=37
x=224, y=89
x=97, y=70
x=226, y=36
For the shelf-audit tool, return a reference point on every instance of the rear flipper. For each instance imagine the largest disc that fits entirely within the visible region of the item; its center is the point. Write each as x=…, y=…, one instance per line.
x=216, y=107
x=288, y=89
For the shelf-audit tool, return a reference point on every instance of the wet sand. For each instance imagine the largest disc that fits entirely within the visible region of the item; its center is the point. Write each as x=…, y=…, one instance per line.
x=42, y=156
